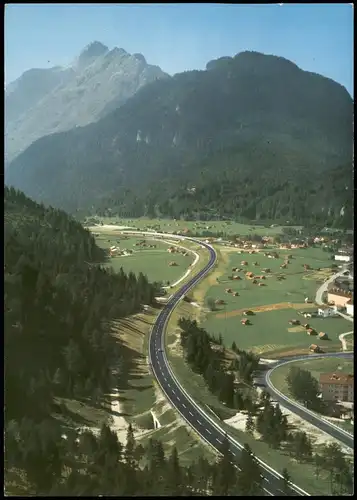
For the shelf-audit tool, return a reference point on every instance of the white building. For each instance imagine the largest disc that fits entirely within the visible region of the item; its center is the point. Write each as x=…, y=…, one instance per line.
x=344, y=258
x=349, y=307
x=326, y=311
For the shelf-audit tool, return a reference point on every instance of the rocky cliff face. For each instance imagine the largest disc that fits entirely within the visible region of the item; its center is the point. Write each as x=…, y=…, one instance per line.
x=44, y=101
x=256, y=136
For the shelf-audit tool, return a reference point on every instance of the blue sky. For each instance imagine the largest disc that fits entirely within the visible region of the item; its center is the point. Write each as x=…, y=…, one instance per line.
x=178, y=37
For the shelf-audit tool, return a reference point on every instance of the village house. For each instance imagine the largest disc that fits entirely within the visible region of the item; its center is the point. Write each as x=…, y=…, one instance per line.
x=343, y=257
x=338, y=297
x=349, y=307
x=315, y=348
x=337, y=387
x=326, y=311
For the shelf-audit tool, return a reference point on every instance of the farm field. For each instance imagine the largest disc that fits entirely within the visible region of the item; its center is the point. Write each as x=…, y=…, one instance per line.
x=315, y=366
x=274, y=304
x=168, y=225
x=270, y=332
x=153, y=262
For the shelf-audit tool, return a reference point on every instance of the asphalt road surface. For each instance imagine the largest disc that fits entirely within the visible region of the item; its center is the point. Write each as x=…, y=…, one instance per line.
x=333, y=430
x=194, y=415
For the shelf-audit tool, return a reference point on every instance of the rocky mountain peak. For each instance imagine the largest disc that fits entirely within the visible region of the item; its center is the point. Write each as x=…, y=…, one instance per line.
x=94, y=49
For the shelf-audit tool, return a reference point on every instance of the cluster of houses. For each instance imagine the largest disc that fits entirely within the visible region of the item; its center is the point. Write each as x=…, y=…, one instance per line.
x=246, y=321
x=144, y=244
x=115, y=251
x=309, y=330
x=177, y=250
x=344, y=254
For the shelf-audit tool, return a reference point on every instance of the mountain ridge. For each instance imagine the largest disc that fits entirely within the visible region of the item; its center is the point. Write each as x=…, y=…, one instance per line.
x=268, y=119
x=44, y=101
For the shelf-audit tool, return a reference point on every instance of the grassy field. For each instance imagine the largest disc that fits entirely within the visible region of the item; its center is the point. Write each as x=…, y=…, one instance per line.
x=141, y=398
x=274, y=304
x=315, y=366
x=169, y=225
x=154, y=262
x=349, y=342
x=270, y=332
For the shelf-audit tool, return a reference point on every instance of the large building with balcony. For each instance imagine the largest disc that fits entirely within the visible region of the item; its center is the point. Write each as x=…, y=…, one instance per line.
x=337, y=387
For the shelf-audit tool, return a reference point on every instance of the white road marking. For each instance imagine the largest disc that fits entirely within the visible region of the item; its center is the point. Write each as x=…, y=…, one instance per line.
x=190, y=412
x=209, y=432
x=183, y=404
x=200, y=423
x=219, y=440
x=271, y=494
x=173, y=391
x=178, y=399
x=265, y=479
x=168, y=385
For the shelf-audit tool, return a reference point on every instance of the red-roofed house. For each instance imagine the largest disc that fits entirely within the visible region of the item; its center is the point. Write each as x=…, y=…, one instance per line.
x=335, y=386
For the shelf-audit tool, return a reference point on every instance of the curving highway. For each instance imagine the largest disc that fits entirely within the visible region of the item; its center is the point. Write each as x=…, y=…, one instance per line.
x=313, y=418
x=193, y=414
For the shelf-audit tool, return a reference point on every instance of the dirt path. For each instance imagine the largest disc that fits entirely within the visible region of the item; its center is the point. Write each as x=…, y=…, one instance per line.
x=343, y=341
x=265, y=308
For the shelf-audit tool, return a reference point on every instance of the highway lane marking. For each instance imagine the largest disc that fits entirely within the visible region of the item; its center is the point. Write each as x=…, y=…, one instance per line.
x=190, y=412
x=265, y=479
x=173, y=391
x=199, y=423
x=168, y=385
x=209, y=432
x=183, y=404
x=270, y=494
x=219, y=440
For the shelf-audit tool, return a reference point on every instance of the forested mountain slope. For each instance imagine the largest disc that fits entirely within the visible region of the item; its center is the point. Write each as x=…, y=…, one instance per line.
x=44, y=101
x=57, y=343
x=57, y=307
x=254, y=134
